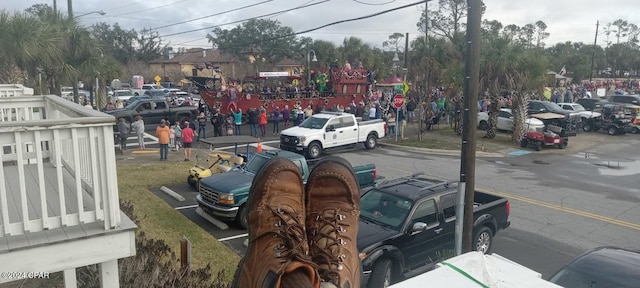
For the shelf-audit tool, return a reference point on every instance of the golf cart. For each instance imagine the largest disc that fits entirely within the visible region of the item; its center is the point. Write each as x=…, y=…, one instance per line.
x=551, y=134
x=224, y=161
x=613, y=120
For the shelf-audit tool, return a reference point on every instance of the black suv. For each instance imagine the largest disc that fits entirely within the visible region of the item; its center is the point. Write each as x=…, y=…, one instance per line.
x=592, y=104
x=537, y=106
x=628, y=99
x=408, y=223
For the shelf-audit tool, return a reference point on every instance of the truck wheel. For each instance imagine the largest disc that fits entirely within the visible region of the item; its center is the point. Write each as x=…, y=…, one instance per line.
x=586, y=127
x=371, y=142
x=483, y=240
x=381, y=275
x=538, y=145
x=243, y=217
x=314, y=150
x=483, y=125
x=193, y=181
x=612, y=130
x=524, y=143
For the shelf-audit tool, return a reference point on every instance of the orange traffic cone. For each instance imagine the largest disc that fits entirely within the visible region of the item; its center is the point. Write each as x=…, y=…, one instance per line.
x=259, y=148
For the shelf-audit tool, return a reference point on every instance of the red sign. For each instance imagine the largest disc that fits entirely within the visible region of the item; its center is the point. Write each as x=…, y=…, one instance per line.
x=398, y=100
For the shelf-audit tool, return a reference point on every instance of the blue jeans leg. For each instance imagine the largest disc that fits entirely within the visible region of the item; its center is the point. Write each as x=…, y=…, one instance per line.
x=201, y=132
x=254, y=130
x=164, y=151
x=237, y=130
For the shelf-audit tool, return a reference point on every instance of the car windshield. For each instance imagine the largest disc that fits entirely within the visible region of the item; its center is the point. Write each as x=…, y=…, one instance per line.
x=578, y=108
x=124, y=93
x=132, y=105
x=569, y=277
x=155, y=93
x=256, y=162
x=314, y=123
x=383, y=208
x=554, y=106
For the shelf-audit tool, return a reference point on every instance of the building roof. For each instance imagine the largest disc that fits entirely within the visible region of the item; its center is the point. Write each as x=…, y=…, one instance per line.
x=196, y=56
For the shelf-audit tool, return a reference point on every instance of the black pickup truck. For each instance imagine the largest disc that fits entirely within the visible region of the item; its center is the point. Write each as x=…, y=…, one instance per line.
x=153, y=110
x=407, y=223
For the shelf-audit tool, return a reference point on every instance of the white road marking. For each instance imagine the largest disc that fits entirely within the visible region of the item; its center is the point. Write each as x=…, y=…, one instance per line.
x=154, y=140
x=233, y=237
x=186, y=207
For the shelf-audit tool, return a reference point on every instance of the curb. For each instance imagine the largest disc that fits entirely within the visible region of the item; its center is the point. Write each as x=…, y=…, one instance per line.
x=441, y=152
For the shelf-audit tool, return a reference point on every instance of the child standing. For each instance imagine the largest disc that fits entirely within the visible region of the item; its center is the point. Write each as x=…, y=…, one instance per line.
x=172, y=137
x=178, y=135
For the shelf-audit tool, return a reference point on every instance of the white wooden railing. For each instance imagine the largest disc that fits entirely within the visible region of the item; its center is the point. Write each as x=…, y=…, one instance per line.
x=57, y=150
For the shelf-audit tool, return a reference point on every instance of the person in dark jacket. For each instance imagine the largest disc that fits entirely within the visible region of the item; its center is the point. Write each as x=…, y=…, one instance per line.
x=253, y=121
x=217, y=120
x=123, y=130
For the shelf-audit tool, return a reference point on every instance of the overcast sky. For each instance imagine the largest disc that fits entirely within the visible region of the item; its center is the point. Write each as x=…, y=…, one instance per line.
x=569, y=20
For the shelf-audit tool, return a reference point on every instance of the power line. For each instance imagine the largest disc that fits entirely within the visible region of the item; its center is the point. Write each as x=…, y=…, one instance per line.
x=243, y=20
x=216, y=14
x=331, y=24
x=373, y=4
x=152, y=8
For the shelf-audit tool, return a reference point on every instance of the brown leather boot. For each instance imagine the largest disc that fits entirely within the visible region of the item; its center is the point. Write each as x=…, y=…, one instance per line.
x=277, y=237
x=333, y=208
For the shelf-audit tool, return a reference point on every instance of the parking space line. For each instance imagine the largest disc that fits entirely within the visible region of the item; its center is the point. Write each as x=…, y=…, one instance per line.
x=186, y=207
x=233, y=237
x=565, y=209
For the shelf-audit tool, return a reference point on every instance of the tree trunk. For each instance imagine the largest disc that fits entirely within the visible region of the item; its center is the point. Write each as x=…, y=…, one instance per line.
x=519, y=111
x=494, y=110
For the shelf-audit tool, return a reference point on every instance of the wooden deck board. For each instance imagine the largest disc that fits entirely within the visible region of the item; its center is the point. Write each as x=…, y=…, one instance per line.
x=13, y=191
x=36, y=238
x=55, y=235
x=17, y=241
x=74, y=232
x=3, y=244
x=51, y=184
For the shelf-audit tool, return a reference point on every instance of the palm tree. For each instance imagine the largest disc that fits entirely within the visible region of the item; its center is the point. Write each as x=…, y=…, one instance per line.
x=500, y=63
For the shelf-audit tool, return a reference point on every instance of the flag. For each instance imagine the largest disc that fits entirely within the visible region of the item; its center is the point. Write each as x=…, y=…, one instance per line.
x=200, y=68
x=563, y=70
x=217, y=69
x=208, y=65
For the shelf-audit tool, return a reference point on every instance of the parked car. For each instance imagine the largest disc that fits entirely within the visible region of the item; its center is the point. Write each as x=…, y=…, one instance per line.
x=123, y=95
x=225, y=195
x=628, y=99
x=505, y=121
x=576, y=107
x=591, y=104
x=572, y=119
x=406, y=223
x=601, y=267
x=328, y=130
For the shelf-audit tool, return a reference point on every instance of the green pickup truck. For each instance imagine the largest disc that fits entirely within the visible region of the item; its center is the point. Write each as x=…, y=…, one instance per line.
x=224, y=195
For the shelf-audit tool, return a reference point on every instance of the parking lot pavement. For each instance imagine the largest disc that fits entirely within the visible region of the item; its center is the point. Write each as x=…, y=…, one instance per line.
x=232, y=237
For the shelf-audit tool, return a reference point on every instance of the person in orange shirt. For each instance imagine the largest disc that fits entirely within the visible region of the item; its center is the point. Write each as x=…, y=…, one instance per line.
x=262, y=121
x=163, y=132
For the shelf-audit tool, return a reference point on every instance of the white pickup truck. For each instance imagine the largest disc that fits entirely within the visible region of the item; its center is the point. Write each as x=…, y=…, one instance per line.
x=328, y=130
x=145, y=87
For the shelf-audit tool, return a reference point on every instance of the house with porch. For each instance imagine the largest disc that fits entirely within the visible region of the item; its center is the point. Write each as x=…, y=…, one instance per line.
x=59, y=203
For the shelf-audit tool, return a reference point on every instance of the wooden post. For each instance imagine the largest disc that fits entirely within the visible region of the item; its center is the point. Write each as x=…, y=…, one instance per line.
x=185, y=254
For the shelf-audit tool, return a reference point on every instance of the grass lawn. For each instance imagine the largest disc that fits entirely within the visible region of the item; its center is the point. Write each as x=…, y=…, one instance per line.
x=160, y=221
x=446, y=138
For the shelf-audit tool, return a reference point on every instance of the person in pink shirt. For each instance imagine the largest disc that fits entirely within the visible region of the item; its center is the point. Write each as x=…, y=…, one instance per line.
x=187, y=140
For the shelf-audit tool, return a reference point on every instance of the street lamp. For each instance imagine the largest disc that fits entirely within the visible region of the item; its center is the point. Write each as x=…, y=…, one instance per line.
x=309, y=64
x=92, y=12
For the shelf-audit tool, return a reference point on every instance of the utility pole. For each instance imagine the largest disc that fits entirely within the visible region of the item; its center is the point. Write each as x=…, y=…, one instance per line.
x=593, y=57
x=70, y=7
x=426, y=69
x=470, y=115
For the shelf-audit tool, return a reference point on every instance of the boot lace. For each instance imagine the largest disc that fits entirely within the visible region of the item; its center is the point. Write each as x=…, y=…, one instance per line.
x=329, y=227
x=287, y=228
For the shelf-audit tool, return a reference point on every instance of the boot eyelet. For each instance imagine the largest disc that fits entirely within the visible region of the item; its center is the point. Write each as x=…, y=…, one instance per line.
x=340, y=217
x=341, y=229
x=340, y=267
